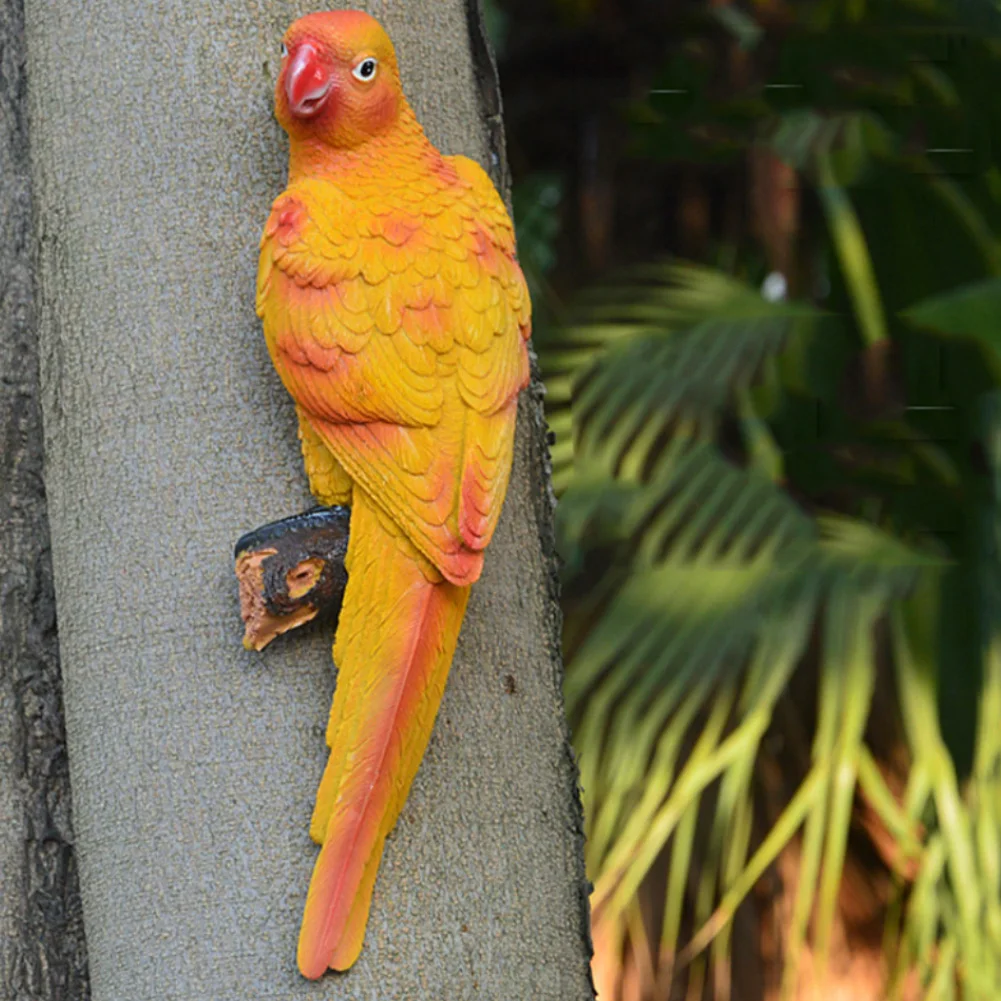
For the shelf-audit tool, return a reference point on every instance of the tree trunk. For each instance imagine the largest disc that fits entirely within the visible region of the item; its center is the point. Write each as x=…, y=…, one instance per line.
x=194, y=763
x=42, y=956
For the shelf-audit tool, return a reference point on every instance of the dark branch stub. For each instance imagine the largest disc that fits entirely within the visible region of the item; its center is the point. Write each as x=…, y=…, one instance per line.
x=291, y=572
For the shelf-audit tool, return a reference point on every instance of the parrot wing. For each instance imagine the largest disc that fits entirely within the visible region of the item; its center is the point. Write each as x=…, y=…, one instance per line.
x=398, y=325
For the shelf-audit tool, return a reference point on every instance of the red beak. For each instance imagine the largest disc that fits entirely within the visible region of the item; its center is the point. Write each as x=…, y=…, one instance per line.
x=307, y=82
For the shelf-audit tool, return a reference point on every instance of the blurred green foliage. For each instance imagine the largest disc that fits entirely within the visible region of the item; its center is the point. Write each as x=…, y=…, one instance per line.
x=765, y=478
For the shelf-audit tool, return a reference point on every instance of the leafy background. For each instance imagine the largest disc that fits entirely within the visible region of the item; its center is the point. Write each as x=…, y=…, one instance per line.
x=763, y=246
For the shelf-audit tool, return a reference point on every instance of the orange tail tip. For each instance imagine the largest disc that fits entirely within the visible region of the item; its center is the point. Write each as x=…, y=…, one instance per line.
x=395, y=639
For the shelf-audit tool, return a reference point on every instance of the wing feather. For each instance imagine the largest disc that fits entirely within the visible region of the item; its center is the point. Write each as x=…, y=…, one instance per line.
x=399, y=325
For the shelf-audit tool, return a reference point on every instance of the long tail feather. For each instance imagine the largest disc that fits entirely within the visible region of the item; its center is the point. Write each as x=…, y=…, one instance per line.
x=349, y=945
x=398, y=627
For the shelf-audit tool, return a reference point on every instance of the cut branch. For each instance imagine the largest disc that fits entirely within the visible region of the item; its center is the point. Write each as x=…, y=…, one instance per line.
x=291, y=572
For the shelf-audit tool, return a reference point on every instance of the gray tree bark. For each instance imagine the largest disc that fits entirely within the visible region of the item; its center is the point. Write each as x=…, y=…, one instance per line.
x=193, y=763
x=42, y=954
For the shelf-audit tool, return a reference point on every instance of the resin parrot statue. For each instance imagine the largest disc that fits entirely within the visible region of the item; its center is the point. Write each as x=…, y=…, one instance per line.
x=397, y=316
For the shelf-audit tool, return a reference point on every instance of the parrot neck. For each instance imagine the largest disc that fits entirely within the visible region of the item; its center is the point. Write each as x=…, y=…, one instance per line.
x=403, y=145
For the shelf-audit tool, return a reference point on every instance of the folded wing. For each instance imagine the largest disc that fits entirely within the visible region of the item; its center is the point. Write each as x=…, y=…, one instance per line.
x=399, y=327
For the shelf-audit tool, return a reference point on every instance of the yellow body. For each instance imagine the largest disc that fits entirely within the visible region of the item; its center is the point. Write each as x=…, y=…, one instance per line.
x=396, y=315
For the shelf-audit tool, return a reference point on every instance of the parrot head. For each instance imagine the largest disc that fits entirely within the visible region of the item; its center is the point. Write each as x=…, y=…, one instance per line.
x=339, y=83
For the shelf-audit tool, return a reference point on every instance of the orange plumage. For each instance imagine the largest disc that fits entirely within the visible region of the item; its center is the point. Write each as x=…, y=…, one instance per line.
x=396, y=316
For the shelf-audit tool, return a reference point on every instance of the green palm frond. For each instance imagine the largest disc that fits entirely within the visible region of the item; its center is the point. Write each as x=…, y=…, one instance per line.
x=618, y=364
x=743, y=528
x=713, y=581
x=972, y=311
x=951, y=927
x=709, y=560
x=721, y=556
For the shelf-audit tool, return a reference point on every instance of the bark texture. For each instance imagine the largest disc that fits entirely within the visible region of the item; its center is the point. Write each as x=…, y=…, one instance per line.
x=42, y=956
x=194, y=762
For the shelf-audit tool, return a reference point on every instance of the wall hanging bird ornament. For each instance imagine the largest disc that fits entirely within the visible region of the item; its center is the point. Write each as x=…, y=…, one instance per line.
x=397, y=317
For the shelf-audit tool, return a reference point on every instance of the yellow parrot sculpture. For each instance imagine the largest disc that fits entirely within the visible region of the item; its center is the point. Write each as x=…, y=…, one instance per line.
x=397, y=317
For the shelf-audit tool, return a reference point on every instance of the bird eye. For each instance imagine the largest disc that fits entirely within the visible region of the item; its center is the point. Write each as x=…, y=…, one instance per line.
x=284, y=50
x=365, y=70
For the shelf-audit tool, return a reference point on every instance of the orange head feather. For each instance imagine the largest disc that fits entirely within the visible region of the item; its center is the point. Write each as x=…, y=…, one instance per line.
x=339, y=84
